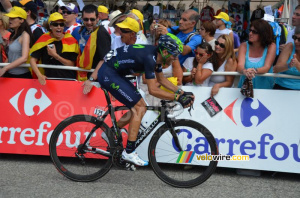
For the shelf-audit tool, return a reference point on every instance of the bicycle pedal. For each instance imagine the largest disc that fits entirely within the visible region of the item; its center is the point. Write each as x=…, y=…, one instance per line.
x=130, y=166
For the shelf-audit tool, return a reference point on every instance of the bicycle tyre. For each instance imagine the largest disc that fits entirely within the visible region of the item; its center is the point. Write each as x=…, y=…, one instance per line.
x=88, y=167
x=165, y=160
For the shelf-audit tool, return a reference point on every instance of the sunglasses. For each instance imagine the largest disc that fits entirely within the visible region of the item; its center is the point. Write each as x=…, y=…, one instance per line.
x=253, y=31
x=58, y=24
x=89, y=19
x=296, y=38
x=67, y=12
x=125, y=31
x=199, y=54
x=220, y=44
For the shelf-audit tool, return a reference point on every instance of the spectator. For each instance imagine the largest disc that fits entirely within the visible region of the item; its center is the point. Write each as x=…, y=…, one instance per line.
x=103, y=18
x=257, y=55
x=4, y=25
x=173, y=72
x=94, y=42
x=223, y=25
x=226, y=61
x=295, y=23
x=236, y=38
x=207, y=31
x=200, y=66
x=138, y=16
x=70, y=14
x=289, y=63
x=55, y=48
x=20, y=42
x=165, y=23
x=185, y=32
x=113, y=18
x=116, y=40
x=32, y=14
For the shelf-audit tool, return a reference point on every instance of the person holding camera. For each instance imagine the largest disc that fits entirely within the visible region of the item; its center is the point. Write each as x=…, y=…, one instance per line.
x=55, y=48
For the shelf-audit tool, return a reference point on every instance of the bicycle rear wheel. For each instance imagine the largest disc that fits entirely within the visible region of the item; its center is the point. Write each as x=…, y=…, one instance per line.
x=74, y=160
x=183, y=169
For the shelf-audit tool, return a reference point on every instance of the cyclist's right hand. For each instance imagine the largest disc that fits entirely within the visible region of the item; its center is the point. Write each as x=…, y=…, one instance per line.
x=186, y=99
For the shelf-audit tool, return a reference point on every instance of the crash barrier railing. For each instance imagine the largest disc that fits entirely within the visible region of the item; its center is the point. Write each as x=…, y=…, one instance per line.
x=275, y=75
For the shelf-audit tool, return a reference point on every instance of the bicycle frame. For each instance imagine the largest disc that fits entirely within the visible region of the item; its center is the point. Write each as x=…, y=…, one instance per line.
x=143, y=132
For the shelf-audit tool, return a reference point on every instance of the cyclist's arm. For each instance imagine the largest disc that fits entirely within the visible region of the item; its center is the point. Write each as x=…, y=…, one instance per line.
x=157, y=92
x=165, y=82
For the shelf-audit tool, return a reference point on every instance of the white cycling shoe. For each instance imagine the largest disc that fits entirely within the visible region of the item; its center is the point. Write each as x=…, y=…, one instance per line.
x=134, y=158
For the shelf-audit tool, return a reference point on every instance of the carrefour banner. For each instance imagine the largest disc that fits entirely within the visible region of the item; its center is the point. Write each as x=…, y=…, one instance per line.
x=30, y=111
x=266, y=128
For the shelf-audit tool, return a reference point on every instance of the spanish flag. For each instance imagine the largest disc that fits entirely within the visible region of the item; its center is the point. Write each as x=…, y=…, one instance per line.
x=69, y=45
x=85, y=60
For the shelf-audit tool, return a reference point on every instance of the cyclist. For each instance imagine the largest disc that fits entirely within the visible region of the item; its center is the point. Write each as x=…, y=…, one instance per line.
x=132, y=59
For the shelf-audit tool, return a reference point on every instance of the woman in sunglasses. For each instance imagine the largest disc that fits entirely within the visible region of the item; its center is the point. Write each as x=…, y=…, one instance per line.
x=55, y=48
x=257, y=55
x=19, y=44
x=226, y=61
x=200, y=66
x=289, y=63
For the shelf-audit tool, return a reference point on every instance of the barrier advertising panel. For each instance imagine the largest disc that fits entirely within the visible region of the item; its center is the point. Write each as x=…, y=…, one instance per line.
x=265, y=128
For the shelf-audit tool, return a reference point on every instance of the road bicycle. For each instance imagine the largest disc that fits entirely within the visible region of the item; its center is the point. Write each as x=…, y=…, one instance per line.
x=83, y=148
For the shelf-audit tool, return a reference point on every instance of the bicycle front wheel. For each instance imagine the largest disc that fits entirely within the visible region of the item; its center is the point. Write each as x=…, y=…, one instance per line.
x=74, y=160
x=183, y=168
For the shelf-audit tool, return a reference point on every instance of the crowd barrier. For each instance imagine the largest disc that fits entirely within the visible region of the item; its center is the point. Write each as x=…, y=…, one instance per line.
x=265, y=127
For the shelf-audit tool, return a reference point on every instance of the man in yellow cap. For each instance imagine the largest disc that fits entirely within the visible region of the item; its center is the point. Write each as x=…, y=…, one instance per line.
x=223, y=25
x=138, y=16
x=103, y=18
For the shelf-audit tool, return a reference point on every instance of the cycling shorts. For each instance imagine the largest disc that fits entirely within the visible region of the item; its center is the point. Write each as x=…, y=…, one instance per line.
x=119, y=86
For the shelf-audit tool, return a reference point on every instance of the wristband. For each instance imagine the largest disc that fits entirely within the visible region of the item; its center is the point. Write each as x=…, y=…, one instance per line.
x=178, y=91
x=175, y=96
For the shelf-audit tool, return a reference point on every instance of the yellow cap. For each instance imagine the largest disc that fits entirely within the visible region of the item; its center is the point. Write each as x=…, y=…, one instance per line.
x=103, y=9
x=129, y=23
x=138, y=14
x=17, y=12
x=55, y=17
x=222, y=15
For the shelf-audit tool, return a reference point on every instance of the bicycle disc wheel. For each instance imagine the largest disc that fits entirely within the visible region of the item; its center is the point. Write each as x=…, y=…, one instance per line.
x=71, y=158
x=183, y=169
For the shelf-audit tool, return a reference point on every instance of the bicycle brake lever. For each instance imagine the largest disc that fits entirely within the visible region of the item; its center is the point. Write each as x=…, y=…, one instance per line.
x=189, y=110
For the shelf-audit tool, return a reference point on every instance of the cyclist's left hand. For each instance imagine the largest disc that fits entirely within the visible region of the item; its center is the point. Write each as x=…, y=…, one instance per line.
x=87, y=86
x=186, y=99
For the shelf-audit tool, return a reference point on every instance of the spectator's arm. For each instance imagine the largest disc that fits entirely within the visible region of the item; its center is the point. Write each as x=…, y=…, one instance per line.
x=242, y=57
x=6, y=5
x=269, y=59
x=52, y=52
x=201, y=74
x=231, y=65
x=41, y=77
x=95, y=73
x=281, y=64
x=192, y=44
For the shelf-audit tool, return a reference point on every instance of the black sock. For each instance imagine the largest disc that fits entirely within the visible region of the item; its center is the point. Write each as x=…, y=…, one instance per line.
x=130, y=146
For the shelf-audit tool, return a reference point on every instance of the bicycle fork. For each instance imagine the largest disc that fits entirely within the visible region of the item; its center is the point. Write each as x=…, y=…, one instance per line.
x=174, y=134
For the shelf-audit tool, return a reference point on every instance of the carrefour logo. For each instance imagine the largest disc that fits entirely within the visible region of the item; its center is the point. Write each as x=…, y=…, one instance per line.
x=30, y=102
x=246, y=112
